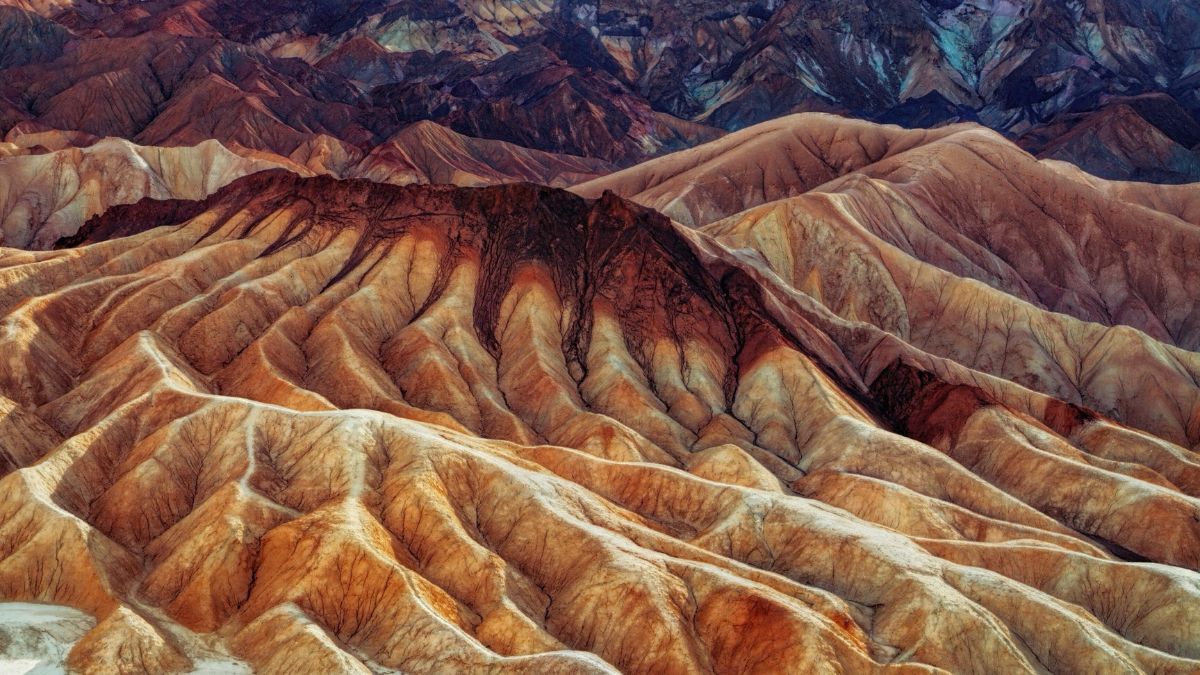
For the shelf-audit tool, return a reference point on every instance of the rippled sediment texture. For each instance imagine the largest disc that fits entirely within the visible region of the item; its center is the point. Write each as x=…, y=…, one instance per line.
x=322, y=425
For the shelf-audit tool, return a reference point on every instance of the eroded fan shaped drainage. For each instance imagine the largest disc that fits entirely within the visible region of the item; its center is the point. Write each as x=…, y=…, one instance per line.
x=338, y=426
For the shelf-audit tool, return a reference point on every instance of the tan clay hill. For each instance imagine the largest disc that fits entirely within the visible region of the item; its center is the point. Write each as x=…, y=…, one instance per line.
x=44, y=197
x=323, y=426
x=47, y=196
x=961, y=199
x=773, y=160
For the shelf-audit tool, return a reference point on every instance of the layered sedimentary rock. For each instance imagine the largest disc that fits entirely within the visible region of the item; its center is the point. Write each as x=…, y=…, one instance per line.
x=617, y=81
x=875, y=399
x=425, y=152
x=1144, y=138
x=47, y=196
x=1012, y=64
x=345, y=426
x=959, y=199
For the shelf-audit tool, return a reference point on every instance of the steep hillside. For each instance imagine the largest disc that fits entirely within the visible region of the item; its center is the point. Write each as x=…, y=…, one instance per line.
x=959, y=198
x=426, y=152
x=312, y=424
x=47, y=196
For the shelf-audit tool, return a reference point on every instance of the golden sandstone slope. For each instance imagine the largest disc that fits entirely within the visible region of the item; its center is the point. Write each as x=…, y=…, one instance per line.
x=340, y=426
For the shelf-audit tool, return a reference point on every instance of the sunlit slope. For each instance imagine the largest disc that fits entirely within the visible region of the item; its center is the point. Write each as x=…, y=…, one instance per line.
x=332, y=425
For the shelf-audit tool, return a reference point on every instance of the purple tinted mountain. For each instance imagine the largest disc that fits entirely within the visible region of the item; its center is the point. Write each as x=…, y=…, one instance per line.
x=522, y=97
x=1142, y=138
x=615, y=80
x=162, y=88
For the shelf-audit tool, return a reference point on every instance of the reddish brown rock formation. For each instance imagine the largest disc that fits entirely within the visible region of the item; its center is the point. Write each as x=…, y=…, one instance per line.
x=426, y=152
x=45, y=196
x=310, y=421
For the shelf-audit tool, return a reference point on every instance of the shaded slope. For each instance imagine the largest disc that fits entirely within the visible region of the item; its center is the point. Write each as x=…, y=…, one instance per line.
x=26, y=37
x=1149, y=138
x=510, y=429
x=536, y=98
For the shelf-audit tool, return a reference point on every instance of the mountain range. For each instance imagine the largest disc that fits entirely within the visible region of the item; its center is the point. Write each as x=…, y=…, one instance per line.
x=580, y=337
x=618, y=82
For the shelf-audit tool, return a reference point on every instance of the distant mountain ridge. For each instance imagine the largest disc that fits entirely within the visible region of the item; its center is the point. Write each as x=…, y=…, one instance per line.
x=618, y=81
